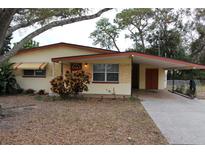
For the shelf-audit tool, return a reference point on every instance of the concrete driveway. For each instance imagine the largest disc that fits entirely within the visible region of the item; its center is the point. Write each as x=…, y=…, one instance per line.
x=181, y=120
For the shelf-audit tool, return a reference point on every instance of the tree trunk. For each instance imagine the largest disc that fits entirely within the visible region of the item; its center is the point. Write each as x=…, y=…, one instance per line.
x=20, y=44
x=142, y=39
x=6, y=16
x=115, y=44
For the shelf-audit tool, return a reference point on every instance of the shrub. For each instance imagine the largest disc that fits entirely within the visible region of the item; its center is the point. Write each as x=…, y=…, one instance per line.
x=41, y=92
x=20, y=91
x=178, y=89
x=17, y=91
x=188, y=92
x=8, y=83
x=29, y=91
x=72, y=84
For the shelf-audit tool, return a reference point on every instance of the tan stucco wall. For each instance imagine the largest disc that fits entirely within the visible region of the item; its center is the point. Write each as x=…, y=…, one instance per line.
x=44, y=55
x=122, y=88
x=124, y=85
x=161, y=76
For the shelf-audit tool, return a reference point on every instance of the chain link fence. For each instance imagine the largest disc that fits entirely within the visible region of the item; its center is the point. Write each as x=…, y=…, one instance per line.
x=183, y=86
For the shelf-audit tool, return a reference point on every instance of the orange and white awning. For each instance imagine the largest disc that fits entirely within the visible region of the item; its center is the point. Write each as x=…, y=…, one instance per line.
x=30, y=66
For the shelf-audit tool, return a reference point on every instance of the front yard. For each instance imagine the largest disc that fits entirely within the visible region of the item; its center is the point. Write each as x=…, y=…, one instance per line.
x=87, y=121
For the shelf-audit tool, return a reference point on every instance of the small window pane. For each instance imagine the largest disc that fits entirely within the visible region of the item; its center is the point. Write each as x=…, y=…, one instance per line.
x=112, y=68
x=99, y=77
x=99, y=68
x=28, y=72
x=40, y=72
x=112, y=77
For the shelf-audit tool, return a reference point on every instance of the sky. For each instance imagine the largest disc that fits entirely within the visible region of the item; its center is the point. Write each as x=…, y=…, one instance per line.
x=76, y=33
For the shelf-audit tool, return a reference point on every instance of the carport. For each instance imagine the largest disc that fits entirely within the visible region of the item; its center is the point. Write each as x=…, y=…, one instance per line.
x=152, y=74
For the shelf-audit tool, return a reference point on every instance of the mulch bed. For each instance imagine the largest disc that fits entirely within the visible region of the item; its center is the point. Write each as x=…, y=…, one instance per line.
x=84, y=121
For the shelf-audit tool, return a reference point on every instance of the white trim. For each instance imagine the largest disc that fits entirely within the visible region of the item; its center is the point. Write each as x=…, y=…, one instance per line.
x=105, y=72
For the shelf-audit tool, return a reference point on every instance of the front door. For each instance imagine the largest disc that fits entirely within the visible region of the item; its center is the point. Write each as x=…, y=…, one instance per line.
x=151, y=78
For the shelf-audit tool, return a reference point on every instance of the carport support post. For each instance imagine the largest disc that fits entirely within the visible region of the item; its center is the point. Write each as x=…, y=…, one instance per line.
x=131, y=73
x=62, y=68
x=53, y=69
x=173, y=73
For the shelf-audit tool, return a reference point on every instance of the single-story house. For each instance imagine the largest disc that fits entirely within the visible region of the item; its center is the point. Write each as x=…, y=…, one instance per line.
x=111, y=71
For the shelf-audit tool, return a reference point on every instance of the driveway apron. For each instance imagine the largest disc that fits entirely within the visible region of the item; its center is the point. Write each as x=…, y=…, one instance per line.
x=181, y=120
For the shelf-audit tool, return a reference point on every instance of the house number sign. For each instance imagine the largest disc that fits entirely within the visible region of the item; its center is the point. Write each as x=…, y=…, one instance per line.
x=76, y=66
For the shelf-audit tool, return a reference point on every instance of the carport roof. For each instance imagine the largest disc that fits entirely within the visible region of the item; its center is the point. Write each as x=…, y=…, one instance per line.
x=140, y=58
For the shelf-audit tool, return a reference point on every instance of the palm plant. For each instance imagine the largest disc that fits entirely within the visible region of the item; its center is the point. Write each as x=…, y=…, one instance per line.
x=8, y=82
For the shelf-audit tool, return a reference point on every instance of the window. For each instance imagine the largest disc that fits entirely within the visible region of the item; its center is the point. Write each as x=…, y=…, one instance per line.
x=105, y=72
x=34, y=73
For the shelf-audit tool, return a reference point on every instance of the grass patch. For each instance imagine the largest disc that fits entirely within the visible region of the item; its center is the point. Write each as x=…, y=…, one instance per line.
x=133, y=98
x=39, y=98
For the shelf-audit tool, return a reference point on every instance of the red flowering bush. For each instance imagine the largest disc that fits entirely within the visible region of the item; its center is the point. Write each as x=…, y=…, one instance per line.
x=71, y=84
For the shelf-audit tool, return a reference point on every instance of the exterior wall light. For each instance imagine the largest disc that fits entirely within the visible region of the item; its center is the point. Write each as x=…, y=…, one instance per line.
x=131, y=56
x=86, y=65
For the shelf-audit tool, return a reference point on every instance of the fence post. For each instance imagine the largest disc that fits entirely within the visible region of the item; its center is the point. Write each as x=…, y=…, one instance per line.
x=173, y=80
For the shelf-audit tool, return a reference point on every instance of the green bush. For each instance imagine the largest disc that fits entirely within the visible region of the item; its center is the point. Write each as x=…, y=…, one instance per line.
x=178, y=89
x=41, y=92
x=8, y=84
x=29, y=91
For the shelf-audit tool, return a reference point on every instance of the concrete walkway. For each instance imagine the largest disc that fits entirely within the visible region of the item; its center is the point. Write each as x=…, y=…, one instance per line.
x=181, y=120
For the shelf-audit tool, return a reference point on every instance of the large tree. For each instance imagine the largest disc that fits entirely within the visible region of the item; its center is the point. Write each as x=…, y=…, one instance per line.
x=166, y=33
x=45, y=19
x=198, y=45
x=136, y=21
x=105, y=34
x=6, y=45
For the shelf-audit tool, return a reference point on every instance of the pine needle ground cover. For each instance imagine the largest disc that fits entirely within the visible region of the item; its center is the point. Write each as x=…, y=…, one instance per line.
x=83, y=121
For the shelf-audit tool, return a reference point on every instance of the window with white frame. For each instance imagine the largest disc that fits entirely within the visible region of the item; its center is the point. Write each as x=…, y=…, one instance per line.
x=105, y=72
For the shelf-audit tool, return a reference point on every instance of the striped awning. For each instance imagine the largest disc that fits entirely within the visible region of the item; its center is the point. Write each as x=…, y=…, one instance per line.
x=30, y=66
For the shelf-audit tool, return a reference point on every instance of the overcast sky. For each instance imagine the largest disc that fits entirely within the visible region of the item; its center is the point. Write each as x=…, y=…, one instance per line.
x=77, y=33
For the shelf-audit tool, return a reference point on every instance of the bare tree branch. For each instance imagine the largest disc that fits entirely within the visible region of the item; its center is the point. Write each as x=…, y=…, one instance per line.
x=27, y=23
x=22, y=25
x=53, y=24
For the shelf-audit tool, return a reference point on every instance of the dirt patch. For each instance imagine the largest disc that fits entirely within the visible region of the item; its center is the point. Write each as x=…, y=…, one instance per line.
x=86, y=121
